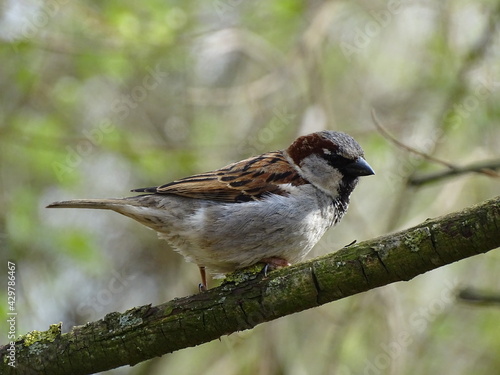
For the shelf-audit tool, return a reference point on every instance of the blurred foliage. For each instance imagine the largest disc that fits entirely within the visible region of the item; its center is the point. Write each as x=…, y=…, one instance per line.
x=102, y=97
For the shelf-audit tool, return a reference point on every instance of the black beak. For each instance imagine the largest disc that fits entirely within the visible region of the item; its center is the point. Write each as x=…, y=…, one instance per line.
x=359, y=167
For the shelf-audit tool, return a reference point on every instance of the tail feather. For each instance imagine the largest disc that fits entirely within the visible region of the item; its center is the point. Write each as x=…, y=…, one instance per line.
x=104, y=204
x=140, y=208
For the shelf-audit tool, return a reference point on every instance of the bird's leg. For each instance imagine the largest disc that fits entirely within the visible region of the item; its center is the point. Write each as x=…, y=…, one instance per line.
x=203, y=285
x=273, y=263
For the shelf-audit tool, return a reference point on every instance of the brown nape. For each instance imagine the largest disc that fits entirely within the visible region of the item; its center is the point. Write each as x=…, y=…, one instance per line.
x=306, y=145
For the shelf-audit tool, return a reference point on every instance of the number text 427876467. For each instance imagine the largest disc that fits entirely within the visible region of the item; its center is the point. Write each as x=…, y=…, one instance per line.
x=12, y=313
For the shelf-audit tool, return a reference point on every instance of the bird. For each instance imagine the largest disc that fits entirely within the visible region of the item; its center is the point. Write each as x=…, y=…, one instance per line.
x=271, y=208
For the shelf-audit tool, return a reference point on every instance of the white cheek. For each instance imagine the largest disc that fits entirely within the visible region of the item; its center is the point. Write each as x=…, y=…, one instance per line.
x=321, y=174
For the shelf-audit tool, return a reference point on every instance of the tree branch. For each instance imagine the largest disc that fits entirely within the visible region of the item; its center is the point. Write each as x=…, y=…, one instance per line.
x=485, y=167
x=478, y=297
x=385, y=133
x=149, y=331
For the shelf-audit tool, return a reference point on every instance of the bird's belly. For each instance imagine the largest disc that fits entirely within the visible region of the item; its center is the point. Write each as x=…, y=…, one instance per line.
x=231, y=236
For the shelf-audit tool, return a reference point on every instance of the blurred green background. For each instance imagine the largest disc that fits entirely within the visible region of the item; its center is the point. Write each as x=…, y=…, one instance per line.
x=98, y=98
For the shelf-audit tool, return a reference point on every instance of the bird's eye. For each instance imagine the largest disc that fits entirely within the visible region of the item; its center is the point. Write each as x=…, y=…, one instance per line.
x=337, y=161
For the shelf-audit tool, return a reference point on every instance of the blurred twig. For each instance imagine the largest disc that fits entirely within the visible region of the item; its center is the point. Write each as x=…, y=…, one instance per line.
x=284, y=71
x=473, y=57
x=480, y=297
x=487, y=168
x=385, y=133
x=456, y=94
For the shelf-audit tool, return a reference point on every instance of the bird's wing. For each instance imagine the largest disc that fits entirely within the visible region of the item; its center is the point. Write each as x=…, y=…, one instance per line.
x=243, y=181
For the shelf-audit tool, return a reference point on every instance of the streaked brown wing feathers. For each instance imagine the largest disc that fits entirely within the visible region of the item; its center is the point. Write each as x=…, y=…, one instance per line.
x=243, y=181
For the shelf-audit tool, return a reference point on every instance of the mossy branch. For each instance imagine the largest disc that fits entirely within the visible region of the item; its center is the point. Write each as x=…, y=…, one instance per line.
x=150, y=331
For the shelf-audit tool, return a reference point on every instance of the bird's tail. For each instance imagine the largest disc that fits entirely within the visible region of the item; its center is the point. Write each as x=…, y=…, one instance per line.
x=104, y=204
x=142, y=208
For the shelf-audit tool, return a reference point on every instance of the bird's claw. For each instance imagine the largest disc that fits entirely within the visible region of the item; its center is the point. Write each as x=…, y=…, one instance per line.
x=273, y=264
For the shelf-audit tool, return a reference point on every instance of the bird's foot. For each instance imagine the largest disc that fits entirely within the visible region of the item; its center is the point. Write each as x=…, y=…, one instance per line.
x=202, y=287
x=274, y=263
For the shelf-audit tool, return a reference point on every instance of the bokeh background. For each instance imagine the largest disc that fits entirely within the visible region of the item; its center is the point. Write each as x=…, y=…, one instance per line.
x=98, y=98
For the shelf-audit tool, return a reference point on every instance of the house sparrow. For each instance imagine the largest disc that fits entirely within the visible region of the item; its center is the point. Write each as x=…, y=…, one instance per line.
x=272, y=208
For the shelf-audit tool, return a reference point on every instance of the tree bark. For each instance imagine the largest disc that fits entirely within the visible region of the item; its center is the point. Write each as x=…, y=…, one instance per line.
x=249, y=299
